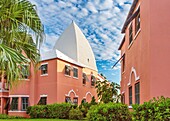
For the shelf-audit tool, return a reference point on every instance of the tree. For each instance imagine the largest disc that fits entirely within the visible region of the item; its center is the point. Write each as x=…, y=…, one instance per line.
x=19, y=21
x=107, y=91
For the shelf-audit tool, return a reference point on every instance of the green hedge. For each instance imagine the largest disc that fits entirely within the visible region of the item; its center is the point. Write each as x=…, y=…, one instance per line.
x=4, y=116
x=60, y=111
x=75, y=114
x=109, y=112
x=154, y=110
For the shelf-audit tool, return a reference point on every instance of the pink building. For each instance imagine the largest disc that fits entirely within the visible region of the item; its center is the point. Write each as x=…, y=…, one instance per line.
x=145, y=51
x=67, y=74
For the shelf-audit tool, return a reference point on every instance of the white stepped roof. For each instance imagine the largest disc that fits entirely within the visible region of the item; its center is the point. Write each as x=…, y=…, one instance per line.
x=74, y=44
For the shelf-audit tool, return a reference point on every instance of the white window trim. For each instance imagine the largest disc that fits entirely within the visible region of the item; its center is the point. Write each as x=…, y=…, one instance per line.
x=44, y=63
x=19, y=96
x=137, y=33
x=19, y=111
x=43, y=95
x=137, y=7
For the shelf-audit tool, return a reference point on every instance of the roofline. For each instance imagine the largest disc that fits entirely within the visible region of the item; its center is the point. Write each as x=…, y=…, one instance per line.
x=129, y=14
x=121, y=44
x=61, y=60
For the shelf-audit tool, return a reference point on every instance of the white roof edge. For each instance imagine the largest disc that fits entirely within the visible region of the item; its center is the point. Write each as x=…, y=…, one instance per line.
x=52, y=54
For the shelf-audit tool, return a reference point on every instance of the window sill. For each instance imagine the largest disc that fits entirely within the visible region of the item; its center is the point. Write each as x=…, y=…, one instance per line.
x=123, y=72
x=44, y=75
x=137, y=33
x=129, y=84
x=75, y=77
x=67, y=75
x=16, y=111
x=130, y=45
x=26, y=79
x=130, y=107
x=84, y=84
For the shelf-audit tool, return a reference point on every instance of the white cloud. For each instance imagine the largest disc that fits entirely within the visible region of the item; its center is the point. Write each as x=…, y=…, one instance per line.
x=100, y=21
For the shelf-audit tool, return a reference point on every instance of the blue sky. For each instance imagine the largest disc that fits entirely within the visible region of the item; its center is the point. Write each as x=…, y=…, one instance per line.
x=100, y=20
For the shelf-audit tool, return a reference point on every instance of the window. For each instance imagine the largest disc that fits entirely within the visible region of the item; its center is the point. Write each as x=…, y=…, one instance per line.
x=25, y=71
x=123, y=63
x=130, y=95
x=75, y=72
x=14, y=103
x=24, y=103
x=93, y=80
x=44, y=69
x=43, y=101
x=75, y=100
x=130, y=34
x=67, y=99
x=123, y=98
x=137, y=93
x=67, y=70
x=84, y=78
x=137, y=22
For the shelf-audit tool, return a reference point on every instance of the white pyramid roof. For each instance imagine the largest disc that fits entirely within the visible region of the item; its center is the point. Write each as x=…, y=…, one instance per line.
x=74, y=44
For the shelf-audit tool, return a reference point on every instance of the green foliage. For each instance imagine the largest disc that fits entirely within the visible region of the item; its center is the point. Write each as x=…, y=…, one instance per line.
x=154, y=110
x=75, y=114
x=85, y=106
x=93, y=101
x=19, y=21
x=4, y=116
x=107, y=91
x=109, y=112
x=60, y=111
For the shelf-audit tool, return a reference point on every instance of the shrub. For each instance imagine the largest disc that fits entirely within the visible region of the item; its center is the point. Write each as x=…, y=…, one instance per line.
x=154, y=110
x=4, y=116
x=75, y=114
x=109, y=112
x=85, y=106
x=50, y=111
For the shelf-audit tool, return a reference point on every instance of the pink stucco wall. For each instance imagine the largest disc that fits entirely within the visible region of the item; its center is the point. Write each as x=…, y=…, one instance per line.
x=148, y=54
x=55, y=85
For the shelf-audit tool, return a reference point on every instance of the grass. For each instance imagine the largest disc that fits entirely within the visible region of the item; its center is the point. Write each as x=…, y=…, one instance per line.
x=37, y=120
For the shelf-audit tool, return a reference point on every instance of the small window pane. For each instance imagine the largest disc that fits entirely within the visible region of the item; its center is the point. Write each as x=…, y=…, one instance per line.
x=75, y=72
x=43, y=101
x=67, y=99
x=75, y=100
x=137, y=23
x=137, y=93
x=84, y=78
x=25, y=71
x=130, y=95
x=14, y=103
x=130, y=34
x=123, y=63
x=93, y=80
x=67, y=70
x=44, y=69
x=24, y=103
